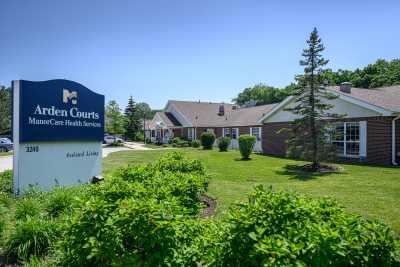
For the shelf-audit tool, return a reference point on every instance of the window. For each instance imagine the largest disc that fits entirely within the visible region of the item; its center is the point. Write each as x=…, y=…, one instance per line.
x=210, y=130
x=226, y=132
x=256, y=131
x=235, y=133
x=346, y=138
x=153, y=133
x=191, y=134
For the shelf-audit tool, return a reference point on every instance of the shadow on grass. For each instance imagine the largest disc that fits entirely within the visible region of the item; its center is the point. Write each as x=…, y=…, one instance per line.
x=296, y=172
x=242, y=159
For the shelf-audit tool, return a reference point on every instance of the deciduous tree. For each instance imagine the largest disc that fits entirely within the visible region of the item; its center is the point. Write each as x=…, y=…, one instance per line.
x=114, y=118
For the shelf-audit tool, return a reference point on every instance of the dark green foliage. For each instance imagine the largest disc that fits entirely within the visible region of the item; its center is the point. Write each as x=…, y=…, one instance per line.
x=5, y=110
x=207, y=140
x=308, y=134
x=289, y=229
x=179, y=142
x=6, y=182
x=381, y=73
x=33, y=236
x=133, y=120
x=196, y=143
x=262, y=94
x=246, y=145
x=223, y=143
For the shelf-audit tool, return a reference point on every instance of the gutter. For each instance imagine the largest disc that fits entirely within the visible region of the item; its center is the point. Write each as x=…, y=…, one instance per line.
x=394, y=140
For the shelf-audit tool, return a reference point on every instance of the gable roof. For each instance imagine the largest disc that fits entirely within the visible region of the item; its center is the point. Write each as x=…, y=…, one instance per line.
x=384, y=100
x=167, y=118
x=202, y=114
x=249, y=116
x=205, y=114
x=384, y=97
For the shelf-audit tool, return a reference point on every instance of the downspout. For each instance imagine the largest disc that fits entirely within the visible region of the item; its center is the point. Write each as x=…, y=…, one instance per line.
x=394, y=140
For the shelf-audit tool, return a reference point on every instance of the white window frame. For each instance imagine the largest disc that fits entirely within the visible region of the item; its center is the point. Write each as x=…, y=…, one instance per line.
x=362, y=139
x=227, y=132
x=191, y=133
x=259, y=132
x=237, y=133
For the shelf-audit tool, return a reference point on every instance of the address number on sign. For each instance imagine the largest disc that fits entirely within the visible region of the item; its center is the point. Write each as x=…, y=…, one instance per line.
x=30, y=149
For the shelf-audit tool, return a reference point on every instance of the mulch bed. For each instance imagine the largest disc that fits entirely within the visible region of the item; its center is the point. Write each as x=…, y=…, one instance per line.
x=211, y=205
x=324, y=168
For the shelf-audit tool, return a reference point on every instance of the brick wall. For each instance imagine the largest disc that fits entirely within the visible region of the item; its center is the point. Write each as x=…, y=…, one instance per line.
x=274, y=143
x=379, y=138
x=178, y=132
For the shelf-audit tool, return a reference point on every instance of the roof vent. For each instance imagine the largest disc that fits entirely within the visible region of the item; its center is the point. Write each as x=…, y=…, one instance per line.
x=345, y=87
x=221, y=111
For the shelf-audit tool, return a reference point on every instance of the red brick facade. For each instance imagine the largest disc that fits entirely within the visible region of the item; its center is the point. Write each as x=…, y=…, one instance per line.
x=379, y=139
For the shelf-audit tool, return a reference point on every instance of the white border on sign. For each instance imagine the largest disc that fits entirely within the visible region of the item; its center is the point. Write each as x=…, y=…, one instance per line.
x=16, y=100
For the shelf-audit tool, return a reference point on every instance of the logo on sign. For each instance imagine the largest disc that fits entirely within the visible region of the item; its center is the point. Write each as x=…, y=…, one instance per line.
x=70, y=96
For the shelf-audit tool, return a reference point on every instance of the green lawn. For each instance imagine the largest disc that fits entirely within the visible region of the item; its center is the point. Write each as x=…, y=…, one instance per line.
x=371, y=191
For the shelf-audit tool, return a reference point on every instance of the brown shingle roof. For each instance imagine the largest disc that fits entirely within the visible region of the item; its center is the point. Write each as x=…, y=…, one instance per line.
x=248, y=116
x=205, y=114
x=202, y=114
x=384, y=97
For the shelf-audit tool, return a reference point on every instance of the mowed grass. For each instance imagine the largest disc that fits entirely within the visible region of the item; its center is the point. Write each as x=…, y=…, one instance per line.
x=371, y=191
x=3, y=154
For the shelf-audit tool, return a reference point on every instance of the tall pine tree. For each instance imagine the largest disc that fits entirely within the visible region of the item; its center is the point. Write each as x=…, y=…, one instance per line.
x=309, y=137
x=133, y=121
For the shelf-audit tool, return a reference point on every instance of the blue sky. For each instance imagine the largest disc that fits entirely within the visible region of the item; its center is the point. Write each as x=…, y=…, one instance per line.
x=190, y=50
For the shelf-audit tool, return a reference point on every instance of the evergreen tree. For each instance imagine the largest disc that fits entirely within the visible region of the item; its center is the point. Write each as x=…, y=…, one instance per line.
x=308, y=137
x=133, y=122
x=114, y=118
x=5, y=110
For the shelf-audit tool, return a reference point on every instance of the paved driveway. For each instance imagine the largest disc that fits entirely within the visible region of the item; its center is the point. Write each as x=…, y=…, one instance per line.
x=6, y=162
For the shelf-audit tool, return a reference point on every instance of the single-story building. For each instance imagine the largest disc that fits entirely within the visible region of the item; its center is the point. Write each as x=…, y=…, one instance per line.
x=189, y=119
x=369, y=132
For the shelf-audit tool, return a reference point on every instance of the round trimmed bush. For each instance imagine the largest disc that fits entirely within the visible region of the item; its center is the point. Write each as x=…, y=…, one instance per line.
x=196, y=143
x=246, y=145
x=223, y=143
x=207, y=140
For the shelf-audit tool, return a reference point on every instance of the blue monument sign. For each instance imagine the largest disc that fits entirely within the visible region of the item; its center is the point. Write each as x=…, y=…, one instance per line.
x=58, y=129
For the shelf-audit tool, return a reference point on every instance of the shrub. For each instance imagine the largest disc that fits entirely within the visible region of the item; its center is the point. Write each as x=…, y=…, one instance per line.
x=207, y=140
x=223, y=143
x=246, y=145
x=142, y=215
x=116, y=143
x=196, y=143
x=6, y=182
x=139, y=137
x=59, y=200
x=27, y=207
x=33, y=236
x=179, y=142
x=289, y=229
